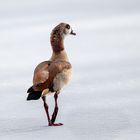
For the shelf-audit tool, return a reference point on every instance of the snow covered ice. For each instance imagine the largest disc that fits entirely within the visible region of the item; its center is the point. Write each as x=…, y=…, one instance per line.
x=102, y=101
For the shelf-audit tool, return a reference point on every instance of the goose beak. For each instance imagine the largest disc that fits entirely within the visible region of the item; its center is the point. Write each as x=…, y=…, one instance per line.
x=72, y=33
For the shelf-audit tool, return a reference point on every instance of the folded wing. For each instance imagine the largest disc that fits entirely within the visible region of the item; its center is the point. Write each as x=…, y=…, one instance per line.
x=45, y=73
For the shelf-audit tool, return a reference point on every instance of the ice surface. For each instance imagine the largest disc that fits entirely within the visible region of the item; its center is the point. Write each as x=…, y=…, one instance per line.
x=102, y=102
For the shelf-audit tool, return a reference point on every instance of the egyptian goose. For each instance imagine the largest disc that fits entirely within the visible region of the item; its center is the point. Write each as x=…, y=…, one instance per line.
x=51, y=76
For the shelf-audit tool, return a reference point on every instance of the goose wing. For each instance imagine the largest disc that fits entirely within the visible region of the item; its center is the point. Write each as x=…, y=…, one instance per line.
x=45, y=73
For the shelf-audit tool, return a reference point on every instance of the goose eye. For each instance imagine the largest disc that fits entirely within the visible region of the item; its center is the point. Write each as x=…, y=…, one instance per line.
x=68, y=26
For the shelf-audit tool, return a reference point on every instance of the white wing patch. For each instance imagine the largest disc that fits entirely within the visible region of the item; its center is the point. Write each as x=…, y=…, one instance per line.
x=45, y=75
x=41, y=77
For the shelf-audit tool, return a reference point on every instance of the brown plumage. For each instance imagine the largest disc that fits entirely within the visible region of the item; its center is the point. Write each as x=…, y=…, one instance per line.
x=51, y=76
x=45, y=73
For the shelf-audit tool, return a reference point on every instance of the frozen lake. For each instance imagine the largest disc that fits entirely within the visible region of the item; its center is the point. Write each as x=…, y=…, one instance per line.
x=102, y=101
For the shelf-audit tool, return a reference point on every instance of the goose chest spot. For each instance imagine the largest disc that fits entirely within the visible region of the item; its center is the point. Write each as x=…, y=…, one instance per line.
x=62, y=79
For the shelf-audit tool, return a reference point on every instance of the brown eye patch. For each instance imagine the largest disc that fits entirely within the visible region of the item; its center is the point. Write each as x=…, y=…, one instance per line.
x=68, y=26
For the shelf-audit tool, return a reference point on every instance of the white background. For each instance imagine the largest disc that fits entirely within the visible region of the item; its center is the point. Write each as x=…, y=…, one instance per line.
x=102, y=102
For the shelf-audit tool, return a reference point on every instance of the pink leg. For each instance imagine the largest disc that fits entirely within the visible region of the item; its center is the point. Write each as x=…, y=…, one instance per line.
x=46, y=109
x=55, y=111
